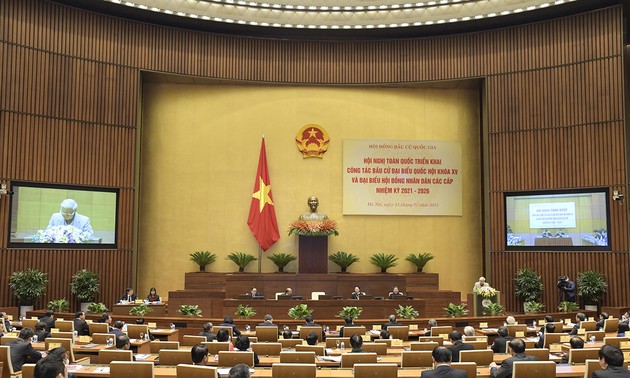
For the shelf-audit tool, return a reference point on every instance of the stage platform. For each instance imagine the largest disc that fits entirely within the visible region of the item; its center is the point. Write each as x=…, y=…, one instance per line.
x=218, y=293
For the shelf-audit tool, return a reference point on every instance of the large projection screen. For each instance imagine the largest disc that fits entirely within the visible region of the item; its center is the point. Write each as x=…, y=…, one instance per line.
x=402, y=177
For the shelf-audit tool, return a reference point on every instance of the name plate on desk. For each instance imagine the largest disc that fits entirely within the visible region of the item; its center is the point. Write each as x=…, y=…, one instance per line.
x=397, y=342
x=54, y=345
x=555, y=348
x=626, y=355
x=9, y=317
x=542, y=322
x=85, y=339
x=581, y=331
x=565, y=338
x=413, y=327
x=376, y=327
x=444, y=336
x=54, y=330
x=567, y=321
x=483, y=325
x=520, y=334
x=624, y=344
x=152, y=325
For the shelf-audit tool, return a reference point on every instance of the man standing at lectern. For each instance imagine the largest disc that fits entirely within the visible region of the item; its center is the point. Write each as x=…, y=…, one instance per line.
x=480, y=284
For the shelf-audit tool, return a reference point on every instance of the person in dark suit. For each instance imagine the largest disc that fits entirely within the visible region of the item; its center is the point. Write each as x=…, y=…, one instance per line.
x=611, y=360
x=48, y=319
x=50, y=367
x=242, y=345
x=442, y=365
x=458, y=345
x=129, y=296
x=80, y=325
x=356, y=342
x=576, y=343
x=348, y=323
x=207, y=332
x=579, y=318
x=357, y=293
x=430, y=324
x=392, y=322
x=548, y=328
x=600, y=323
x=517, y=348
x=199, y=354
x=117, y=330
x=395, y=293
x=500, y=343
x=312, y=338
x=41, y=332
x=268, y=322
x=311, y=323
x=22, y=351
x=254, y=293
x=6, y=323
x=228, y=321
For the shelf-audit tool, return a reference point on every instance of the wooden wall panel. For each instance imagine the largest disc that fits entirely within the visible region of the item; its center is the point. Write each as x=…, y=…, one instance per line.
x=554, y=93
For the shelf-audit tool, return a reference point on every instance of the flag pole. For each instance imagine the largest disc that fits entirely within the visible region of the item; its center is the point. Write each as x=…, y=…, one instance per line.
x=259, y=259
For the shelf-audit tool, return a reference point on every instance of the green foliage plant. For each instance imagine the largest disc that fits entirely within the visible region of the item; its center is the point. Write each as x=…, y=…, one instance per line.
x=528, y=285
x=85, y=285
x=281, y=260
x=352, y=312
x=343, y=259
x=406, y=312
x=140, y=310
x=190, y=311
x=591, y=286
x=203, y=258
x=493, y=309
x=241, y=259
x=28, y=286
x=97, y=308
x=567, y=306
x=455, y=311
x=534, y=307
x=59, y=305
x=384, y=261
x=244, y=312
x=419, y=260
x=299, y=312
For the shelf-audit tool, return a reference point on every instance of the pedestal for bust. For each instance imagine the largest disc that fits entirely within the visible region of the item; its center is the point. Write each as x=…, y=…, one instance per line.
x=313, y=254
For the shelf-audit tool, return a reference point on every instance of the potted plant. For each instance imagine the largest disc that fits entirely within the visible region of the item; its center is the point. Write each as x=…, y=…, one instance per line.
x=384, y=261
x=140, y=310
x=534, y=307
x=281, y=260
x=591, y=287
x=343, y=259
x=59, y=305
x=244, y=312
x=528, y=285
x=352, y=312
x=96, y=308
x=419, y=260
x=203, y=258
x=566, y=306
x=28, y=287
x=406, y=312
x=299, y=312
x=191, y=311
x=84, y=287
x=241, y=259
x=455, y=311
x=493, y=309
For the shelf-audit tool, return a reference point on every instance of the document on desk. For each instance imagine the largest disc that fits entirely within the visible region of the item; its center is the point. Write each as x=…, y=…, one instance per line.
x=72, y=368
x=104, y=369
x=90, y=345
x=329, y=358
x=140, y=357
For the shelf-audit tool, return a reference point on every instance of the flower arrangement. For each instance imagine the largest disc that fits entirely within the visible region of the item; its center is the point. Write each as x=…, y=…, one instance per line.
x=61, y=234
x=486, y=292
x=314, y=227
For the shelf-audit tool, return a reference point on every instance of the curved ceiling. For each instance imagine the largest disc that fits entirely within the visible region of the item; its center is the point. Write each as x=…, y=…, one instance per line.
x=338, y=18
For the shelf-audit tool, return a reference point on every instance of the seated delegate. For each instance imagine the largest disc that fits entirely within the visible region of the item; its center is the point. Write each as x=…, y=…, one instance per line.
x=153, y=296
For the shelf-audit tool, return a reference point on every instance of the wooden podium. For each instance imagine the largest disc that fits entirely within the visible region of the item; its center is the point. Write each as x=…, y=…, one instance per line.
x=313, y=254
x=478, y=302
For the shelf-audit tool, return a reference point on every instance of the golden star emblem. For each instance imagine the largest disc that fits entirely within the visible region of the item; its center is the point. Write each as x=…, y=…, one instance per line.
x=312, y=133
x=263, y=194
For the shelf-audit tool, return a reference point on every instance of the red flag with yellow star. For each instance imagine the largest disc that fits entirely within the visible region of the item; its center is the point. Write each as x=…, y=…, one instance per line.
x=262, y=214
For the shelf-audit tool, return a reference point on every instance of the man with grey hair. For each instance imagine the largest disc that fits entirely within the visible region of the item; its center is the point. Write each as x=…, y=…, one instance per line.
x=479, y=284
x=68, y=216
x=239, y=371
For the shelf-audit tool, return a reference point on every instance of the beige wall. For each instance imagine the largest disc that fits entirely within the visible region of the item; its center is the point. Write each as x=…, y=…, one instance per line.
x=199, y=153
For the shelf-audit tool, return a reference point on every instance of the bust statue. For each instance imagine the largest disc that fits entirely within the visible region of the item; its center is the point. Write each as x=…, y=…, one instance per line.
x=313, y=203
